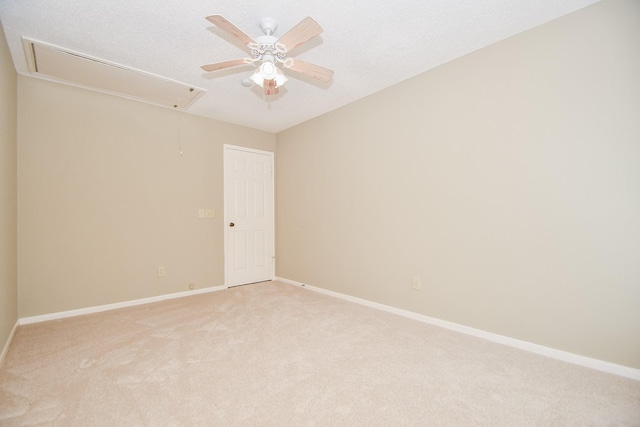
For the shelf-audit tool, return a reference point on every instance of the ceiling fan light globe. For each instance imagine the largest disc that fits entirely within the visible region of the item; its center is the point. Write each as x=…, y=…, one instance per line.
x=281, y=79
x=268, y=70
x=257, y=78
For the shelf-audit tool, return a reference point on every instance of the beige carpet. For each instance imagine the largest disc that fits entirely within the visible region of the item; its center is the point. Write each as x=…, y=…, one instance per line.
x=272, y=354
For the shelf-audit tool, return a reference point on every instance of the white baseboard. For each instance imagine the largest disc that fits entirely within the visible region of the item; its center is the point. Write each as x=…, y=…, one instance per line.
x=600, y=365
x=106, y=307
x=7, y=344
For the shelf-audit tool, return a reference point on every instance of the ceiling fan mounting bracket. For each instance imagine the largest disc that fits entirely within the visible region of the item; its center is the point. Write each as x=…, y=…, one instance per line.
x=268, y=26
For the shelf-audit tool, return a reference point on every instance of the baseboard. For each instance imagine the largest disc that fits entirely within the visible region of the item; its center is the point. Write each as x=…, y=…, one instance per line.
x=600, y=365
x=107, y=307
x=7, y=344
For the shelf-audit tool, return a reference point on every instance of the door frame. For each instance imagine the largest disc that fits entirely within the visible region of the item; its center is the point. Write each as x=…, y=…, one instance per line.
x=225, y=149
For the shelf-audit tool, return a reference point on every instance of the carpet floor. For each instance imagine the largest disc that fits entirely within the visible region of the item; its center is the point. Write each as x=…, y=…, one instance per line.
x=272, y=354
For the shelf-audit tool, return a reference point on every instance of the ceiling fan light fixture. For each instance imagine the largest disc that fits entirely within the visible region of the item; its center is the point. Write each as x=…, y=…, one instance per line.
x=268, y=71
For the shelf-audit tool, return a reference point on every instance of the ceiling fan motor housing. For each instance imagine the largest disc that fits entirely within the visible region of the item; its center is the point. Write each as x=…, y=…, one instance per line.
x=268, y=45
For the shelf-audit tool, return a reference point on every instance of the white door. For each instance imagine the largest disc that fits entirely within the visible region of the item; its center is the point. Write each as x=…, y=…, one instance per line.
x=249, y=215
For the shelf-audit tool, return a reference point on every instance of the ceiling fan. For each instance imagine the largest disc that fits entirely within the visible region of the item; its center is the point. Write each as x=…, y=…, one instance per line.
x=268, y=51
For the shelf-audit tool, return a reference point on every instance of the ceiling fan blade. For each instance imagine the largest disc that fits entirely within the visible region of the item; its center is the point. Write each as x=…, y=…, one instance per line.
x=221, y=22
x=270, y=87
x=305, y=30
x=222, y=65
x=311, y=70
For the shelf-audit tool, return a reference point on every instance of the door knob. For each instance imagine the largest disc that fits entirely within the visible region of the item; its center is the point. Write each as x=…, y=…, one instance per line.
x=231, y=224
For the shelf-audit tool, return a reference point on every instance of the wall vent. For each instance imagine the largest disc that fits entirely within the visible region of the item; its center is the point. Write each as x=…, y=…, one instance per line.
x=55, y=63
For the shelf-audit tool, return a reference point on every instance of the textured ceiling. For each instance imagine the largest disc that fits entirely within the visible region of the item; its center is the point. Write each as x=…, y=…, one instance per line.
x=369, y=44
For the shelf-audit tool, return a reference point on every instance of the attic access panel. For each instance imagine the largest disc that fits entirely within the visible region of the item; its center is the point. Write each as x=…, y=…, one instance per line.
x=52, y=62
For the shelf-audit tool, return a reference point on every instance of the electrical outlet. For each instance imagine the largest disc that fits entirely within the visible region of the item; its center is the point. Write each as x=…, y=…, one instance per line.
x=415, y=283
x=192, y=285
x=209, y=213
x=160, y=271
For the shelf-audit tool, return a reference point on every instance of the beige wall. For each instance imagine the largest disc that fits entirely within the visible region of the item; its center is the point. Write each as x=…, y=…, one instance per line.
x=8, y=196
x=508, y=180
x=104, y=197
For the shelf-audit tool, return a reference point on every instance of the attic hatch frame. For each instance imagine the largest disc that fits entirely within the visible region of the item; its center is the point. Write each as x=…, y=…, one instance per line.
x=51, y=62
